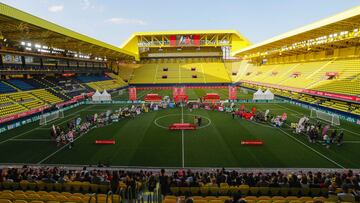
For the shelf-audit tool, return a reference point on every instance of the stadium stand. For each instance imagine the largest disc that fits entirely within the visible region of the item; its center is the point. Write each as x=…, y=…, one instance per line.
x=46, y=96
x=4, y=88
x=87, y=79
x=309, y=75
x=9, y=106
x=20, y=84
x=181, y=72
x=26, y=99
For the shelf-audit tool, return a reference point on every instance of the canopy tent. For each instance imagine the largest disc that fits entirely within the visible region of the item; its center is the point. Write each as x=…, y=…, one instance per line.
x=96, y=96
x=268, y=95
x=105, y=96
x=259, y=95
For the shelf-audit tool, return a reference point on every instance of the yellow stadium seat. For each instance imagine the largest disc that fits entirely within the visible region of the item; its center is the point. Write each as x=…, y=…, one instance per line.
x=169, y=201
x=20, y=196
x=244, y=189
x=279, y=201
x=85, y=187
x=19, y=201
x=197, y=198
x=5, y=200
x=290, y=198
x=195, y=190
x=247, y=198
x=6, y=196
x=204, y=190
x=216, y=201
x=209, y=198
x=295, y=201
x=263, y=201
x=274, y=198
x=40, y=185
x=24, y=184
x=174, y=190
x=264, y=198
x=200, y=201
x=305, y=199
x=170, y=197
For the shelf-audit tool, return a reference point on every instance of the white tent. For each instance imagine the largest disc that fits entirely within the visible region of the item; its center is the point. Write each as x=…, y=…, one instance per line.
x=105, y=96
x=268, y=95
x=258, y=95
x=96, y=96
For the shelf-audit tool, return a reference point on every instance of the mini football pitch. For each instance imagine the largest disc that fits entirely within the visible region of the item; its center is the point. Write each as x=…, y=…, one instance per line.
x=145, y=141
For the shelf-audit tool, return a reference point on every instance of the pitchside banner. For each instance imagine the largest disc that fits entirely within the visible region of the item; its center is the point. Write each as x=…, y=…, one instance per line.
x=232, y=92
x=132, y=93
x=178, y=91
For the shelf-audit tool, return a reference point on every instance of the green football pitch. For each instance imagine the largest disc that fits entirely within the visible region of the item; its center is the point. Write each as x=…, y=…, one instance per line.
x=145, y=142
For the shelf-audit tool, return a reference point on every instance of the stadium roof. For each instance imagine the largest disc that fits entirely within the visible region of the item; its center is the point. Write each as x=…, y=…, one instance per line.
x=344, y=21
x=17, y=25
x=238, y=41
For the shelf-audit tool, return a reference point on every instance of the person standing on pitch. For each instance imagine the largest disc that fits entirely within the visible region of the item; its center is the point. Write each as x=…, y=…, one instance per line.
x=199, y=121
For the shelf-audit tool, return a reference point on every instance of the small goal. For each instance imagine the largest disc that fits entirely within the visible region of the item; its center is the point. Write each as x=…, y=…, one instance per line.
x=328, y=117
x=48, y=117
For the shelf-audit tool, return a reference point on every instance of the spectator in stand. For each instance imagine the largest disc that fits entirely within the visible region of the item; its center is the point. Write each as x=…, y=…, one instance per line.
x=345, y=195
x=163, y=180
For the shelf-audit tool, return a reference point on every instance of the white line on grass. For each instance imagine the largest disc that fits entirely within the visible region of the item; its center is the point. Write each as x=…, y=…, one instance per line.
x=312, y=149
x=352, y=142
x=31, y=140
x=21, y=134
x=61, y=148
x=182, y=138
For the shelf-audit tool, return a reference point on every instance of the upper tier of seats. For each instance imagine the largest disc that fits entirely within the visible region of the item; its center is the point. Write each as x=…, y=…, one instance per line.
x=180, y=72
x=20, y=84
x=4, y=88
x=337, y=76
x=86, y=79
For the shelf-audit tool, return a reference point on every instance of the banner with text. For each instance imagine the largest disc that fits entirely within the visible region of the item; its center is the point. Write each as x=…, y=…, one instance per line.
x=232, y=92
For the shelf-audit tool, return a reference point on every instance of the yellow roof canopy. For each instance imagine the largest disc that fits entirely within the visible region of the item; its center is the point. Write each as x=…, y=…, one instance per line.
x=20, y=26
x=208, y=38
x=344, y=21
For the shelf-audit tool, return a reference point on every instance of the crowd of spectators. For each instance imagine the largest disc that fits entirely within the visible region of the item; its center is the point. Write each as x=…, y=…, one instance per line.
x=185, y=178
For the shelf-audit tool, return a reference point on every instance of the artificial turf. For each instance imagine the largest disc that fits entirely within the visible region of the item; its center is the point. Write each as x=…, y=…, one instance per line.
x=140, y=142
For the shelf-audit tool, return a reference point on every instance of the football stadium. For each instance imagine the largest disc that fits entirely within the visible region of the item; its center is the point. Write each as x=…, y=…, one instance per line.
x=190, y=116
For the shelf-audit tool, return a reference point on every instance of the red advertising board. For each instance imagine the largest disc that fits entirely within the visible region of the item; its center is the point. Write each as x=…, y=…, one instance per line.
x=232, y=92
x=132, y=93
x=333, y=95
x=178, y=91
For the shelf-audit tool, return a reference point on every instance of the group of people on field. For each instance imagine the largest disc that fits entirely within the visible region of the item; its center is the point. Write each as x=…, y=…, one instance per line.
x=318, y=132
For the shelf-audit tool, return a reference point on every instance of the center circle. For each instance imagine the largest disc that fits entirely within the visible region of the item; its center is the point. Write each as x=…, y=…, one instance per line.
x=188, y=118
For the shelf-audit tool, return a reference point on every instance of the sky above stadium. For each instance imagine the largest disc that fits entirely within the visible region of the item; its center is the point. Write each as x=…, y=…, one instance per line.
x=113, y=21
